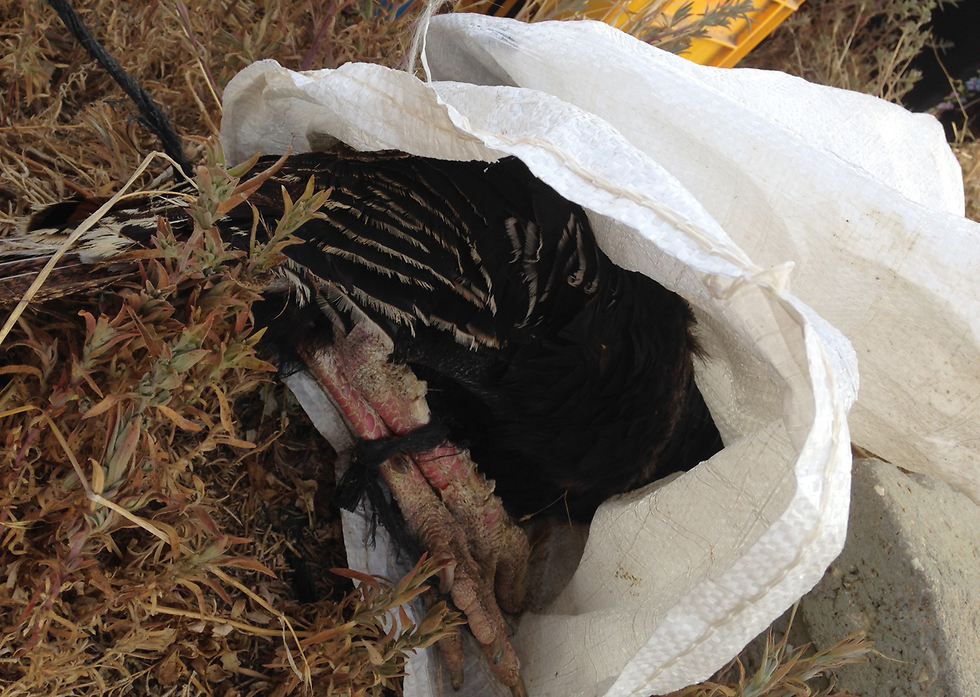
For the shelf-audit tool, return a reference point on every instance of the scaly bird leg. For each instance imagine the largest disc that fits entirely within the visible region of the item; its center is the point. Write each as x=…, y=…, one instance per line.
x=399, y=398
x=465, y=523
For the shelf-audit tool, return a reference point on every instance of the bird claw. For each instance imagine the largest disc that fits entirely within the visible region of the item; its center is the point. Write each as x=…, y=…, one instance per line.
x=448, y=506
x=447, y=574
x=496, y=651
x=438, y=531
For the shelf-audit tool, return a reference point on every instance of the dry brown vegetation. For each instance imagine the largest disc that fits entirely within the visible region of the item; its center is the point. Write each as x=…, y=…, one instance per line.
x=779, y=669
x=164, y=501
x=65, y=126
x=861, y=45
x=968, y=155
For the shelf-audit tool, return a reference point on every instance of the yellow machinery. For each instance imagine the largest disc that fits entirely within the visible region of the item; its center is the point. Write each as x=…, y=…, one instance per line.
x=724, y=46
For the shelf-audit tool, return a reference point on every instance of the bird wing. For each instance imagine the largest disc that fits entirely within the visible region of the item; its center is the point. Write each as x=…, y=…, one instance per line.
x=408, y=242
x=416, y=242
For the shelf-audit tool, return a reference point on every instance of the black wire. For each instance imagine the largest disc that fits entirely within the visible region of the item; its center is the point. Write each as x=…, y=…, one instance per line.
x=150, y=114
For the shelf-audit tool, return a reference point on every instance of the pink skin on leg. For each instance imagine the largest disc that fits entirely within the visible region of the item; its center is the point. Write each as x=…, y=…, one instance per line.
x=465, y=522
x=398, y=397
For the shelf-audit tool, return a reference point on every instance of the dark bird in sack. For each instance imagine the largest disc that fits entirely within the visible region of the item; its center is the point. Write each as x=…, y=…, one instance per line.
x=441, y=302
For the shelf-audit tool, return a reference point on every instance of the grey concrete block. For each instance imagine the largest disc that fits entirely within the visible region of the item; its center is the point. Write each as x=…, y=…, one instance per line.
x=909, y=576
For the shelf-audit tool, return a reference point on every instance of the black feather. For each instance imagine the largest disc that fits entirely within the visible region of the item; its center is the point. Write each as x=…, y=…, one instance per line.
x=570, y=379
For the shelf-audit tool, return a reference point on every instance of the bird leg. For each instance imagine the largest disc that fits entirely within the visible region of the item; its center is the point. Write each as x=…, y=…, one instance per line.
x=465, y=523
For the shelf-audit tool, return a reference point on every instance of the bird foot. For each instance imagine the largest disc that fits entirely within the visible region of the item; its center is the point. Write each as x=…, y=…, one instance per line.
x=448, y=506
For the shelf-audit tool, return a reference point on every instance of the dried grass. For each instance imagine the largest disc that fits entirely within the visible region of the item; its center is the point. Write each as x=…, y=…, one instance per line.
x=781, y=670
x=65, y=127
x=152, y=489
x=968, y=155
x=861, y=45
x=163, y=500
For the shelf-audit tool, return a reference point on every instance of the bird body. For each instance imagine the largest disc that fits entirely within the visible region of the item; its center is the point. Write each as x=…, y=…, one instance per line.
x=568, y=377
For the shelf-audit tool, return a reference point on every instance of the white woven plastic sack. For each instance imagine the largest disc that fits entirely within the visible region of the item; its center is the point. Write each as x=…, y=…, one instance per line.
x=865, y=197
x=673, y=162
